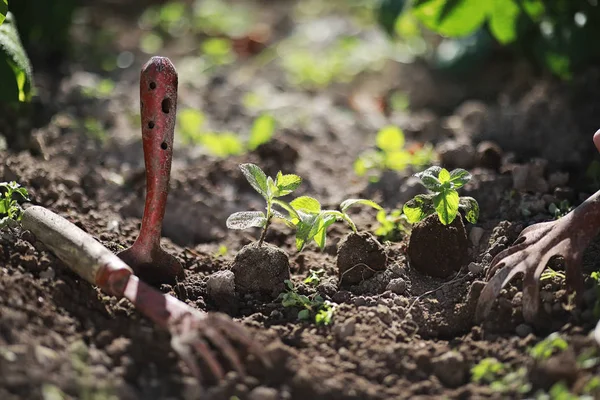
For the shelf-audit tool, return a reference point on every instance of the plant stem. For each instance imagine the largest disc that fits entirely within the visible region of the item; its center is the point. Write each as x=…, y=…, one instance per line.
x=264, y=232
x=349, y=221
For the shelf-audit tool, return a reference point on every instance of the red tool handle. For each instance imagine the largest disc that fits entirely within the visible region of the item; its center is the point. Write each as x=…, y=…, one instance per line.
x=158, y=94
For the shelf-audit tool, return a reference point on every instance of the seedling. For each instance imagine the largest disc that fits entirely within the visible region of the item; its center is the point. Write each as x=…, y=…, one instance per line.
x=444, y=200
x=312, y=222
x=313, y=305
x=314, y=277
x=391, y=154
x=500, y=377
x=596, y=277
x=392, y=226
x=549, y=346
x=560, y=209
x=270, y=189
x=10, y=210
x=549, y=273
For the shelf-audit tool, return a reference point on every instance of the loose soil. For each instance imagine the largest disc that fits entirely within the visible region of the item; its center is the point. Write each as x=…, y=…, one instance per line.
x=414, y=338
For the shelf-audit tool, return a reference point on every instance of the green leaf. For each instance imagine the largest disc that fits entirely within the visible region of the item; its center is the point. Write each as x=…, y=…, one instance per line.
x=3, y=10
x=4, y=206
x=262, y=131
x=431, y=182
x=388, y=13
x=306, y=204
x=303, y=315
x=307, y=228
x=433, y=171
x=16, y=79
x=418, y=208
x=390, y=138
x=246, y=219
x=287, y=183
x=470, y=208
x=293, y=214
x=221, y=144
x=534, y=8
x=452, y=17
x=459, y=177
x=444, y=176
x=321, y=235
x=503, y=20
x=189, y=125
x=352, y=202
x=446, y=205
x=256, y=177
x=559, y=64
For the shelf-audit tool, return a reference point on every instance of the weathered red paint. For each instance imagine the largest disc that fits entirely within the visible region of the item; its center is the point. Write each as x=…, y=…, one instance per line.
x=158, y=103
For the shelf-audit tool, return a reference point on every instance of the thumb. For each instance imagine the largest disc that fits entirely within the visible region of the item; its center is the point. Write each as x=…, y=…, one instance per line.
x=597, y=139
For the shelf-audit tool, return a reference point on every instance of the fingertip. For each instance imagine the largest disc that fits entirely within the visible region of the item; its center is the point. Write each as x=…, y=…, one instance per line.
x=597, y=139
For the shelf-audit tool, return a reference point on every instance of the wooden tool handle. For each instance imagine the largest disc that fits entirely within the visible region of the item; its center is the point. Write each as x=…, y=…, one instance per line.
x=77, y=249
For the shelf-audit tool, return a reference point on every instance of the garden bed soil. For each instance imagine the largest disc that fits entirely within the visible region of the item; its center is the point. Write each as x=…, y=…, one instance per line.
x=61, y=336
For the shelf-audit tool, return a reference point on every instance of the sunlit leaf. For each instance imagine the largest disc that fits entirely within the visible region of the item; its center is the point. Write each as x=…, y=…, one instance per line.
x=287, y=183
x=418, y=208
x=470, y=208
x=352, y=202
x=246, y=219
x=306, y=204
x=452, y=17
x=446, y=205
x=444, y=176
x=256, y=177
x=503, y=20
x=15, y=68
x=459, y=177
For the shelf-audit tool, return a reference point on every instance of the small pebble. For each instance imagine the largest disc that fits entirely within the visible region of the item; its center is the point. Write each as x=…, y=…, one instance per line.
x=475, y=268
x=263, y=393
x=450, y=368
x=48, y=274
x=397, y=286
x=523, y=330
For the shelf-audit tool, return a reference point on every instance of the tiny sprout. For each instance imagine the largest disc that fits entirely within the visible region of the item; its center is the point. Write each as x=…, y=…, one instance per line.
x=392, y=226
x=314, y=277
x=444, y=200
x=312, y=222
x=313, y=305
x=549, y=346
x=270, y=189
x=10, y=210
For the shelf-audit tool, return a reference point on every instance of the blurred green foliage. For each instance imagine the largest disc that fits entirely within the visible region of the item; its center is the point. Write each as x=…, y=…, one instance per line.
x=190, y=127
x=557, y=34
x=16, y=81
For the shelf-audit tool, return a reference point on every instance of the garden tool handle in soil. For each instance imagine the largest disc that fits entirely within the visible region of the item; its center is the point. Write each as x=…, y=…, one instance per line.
x=78, y=250
x=158, y=104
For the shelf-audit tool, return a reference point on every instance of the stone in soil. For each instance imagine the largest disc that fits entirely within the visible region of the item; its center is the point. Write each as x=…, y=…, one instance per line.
x=359, y=257
x=438, y=250
x=220, y=288
x=260, y=269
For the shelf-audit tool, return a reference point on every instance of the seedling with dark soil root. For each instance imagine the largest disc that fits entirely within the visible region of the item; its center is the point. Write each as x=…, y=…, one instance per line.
x=310, y=306
x=270, y=189
x=10, y=210
x=260, y=267
x=438, y=223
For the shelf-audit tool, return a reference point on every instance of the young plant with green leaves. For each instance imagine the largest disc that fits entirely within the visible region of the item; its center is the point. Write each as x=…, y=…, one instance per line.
x=391, y=154
x=312, y=222
x=444, y=200
x=314, y=277
x=551, y=345
x=270, y=189
x=10, y=210
x=16, y=78
x=392, y=226
x=314, y=305
x=500, y=377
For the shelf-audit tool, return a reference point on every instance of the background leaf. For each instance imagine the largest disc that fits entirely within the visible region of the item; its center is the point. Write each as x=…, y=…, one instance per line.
x=256, y=177
x=503, y=20
x=390, y=138
x=262, y=131
x=16, y=79
x=246, y=219
x=3, y=10
x=446, y=205
x=452, y=17
x=352, y=202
